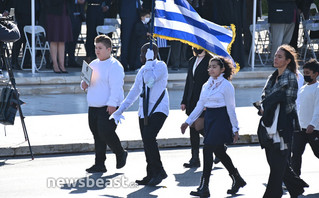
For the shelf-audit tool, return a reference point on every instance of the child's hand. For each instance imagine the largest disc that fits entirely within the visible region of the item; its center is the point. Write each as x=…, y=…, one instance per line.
x=184, y=127
x=84, y=85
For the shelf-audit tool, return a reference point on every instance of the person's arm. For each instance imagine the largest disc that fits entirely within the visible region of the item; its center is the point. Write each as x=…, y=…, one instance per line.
x=133, y=94
x=116, y=82
x=185, y=94
x=229, y=93
x=154, y=71
x=9, y=32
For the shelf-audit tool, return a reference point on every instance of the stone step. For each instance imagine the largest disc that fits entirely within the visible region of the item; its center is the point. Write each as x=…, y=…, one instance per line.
x=70, y=83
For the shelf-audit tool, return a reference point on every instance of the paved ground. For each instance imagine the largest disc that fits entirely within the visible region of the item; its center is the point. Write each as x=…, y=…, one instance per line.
x=65, y=176
x=58, y=123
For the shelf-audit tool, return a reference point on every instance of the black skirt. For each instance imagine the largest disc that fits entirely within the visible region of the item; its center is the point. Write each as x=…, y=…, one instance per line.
x=218, y=128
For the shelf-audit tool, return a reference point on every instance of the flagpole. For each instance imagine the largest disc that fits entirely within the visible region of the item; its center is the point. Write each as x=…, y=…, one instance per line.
x=152, y=23
x=253, y=37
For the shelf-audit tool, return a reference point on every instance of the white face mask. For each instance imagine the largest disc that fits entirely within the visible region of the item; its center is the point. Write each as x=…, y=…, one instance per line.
x=146, y=20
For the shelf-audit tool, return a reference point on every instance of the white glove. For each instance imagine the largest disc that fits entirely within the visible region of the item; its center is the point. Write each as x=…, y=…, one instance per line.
x=149, y=55
x=117, y=116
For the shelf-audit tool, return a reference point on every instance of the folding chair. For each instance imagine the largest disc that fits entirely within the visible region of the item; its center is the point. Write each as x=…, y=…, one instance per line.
x=39, y=44
x=112, y=22
x=262, y=41
x=116, y=41
x=310, y=25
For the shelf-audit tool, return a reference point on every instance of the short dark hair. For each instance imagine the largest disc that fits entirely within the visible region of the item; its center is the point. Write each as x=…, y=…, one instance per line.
x=224, y=63
x=312, y=65
x=144, y=12
x=104, y=39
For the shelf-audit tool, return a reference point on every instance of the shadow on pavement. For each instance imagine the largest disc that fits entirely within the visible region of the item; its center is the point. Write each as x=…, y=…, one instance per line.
x=91, y=182
x=188, y=178
x=144, y=192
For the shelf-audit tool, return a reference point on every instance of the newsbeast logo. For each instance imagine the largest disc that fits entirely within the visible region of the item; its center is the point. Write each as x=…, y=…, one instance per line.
x=89, y=182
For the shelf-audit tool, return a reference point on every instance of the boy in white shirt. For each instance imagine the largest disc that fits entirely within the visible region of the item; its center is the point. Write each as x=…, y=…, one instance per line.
x=308, y=116
x=104, y=94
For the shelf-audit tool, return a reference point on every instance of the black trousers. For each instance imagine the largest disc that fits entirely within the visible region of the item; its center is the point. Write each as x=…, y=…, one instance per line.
x=149, y=133
x=22, y=21
x=195, y=140
x=70, y=46
x=94, y=18
x=103, y=131
x=220, y=152
x=281, y=171
x=300, y=140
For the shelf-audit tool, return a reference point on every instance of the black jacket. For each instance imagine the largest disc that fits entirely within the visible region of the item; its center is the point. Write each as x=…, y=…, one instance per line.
x=55, y=7
x=194, y=83
x=282, y=11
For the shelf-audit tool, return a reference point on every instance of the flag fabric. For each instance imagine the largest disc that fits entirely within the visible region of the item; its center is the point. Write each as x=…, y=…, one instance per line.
x=177, y=20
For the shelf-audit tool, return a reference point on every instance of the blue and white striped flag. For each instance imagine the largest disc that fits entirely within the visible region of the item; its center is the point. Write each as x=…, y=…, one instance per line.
x=177, y=20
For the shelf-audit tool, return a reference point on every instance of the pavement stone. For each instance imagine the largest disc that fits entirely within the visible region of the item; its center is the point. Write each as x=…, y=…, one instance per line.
x=70, y=133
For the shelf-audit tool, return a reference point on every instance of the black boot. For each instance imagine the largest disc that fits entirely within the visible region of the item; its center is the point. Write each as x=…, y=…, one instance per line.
x=202, y=190
x=194, y=161
x=238, y=182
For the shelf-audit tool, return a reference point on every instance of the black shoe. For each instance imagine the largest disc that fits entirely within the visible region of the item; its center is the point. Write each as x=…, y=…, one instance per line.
x=157, y=178
x=238, y=182
x=202, y=190
x=144, y=181
x=96, y=169
x=121, y=160
x=193, y=163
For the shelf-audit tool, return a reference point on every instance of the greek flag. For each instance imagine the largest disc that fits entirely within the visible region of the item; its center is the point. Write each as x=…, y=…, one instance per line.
x=177, y=20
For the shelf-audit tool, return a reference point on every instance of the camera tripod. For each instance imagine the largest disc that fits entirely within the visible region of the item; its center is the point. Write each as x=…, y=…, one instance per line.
x=4, y=50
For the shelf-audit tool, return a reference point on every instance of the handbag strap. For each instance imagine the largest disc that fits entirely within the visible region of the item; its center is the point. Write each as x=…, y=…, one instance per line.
x=157, y=102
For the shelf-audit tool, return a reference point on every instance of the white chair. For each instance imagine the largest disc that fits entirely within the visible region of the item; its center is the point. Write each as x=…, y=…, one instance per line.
x=310, y=25
x=113, y=22
x=39, y=44
x=116, y=41
x=262, y=41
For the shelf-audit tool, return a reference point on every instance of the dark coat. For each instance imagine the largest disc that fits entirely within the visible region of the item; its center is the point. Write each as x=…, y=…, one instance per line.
x=282, y=11
x=56, y=7
x=194, y=83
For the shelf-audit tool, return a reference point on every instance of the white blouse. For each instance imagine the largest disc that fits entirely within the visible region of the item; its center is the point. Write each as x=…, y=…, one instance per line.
x=216, y=93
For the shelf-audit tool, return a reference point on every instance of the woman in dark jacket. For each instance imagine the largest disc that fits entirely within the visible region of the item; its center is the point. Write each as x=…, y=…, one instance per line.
x=282, y=82
x=197, y=75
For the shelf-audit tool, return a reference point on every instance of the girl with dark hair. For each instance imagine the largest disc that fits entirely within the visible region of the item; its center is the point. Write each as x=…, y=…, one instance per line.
x=277, y=123
x=220, y=122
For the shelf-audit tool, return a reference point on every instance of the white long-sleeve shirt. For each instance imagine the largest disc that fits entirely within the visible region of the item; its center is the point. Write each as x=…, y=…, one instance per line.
x=216, y=93
x=155, y=76
x=309, y=106
x=106, y=86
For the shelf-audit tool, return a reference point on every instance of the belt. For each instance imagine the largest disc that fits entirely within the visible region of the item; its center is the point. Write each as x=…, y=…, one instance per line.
x=94, y=4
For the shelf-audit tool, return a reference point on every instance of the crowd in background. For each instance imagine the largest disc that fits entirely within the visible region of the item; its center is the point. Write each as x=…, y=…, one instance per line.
x=135, y=29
